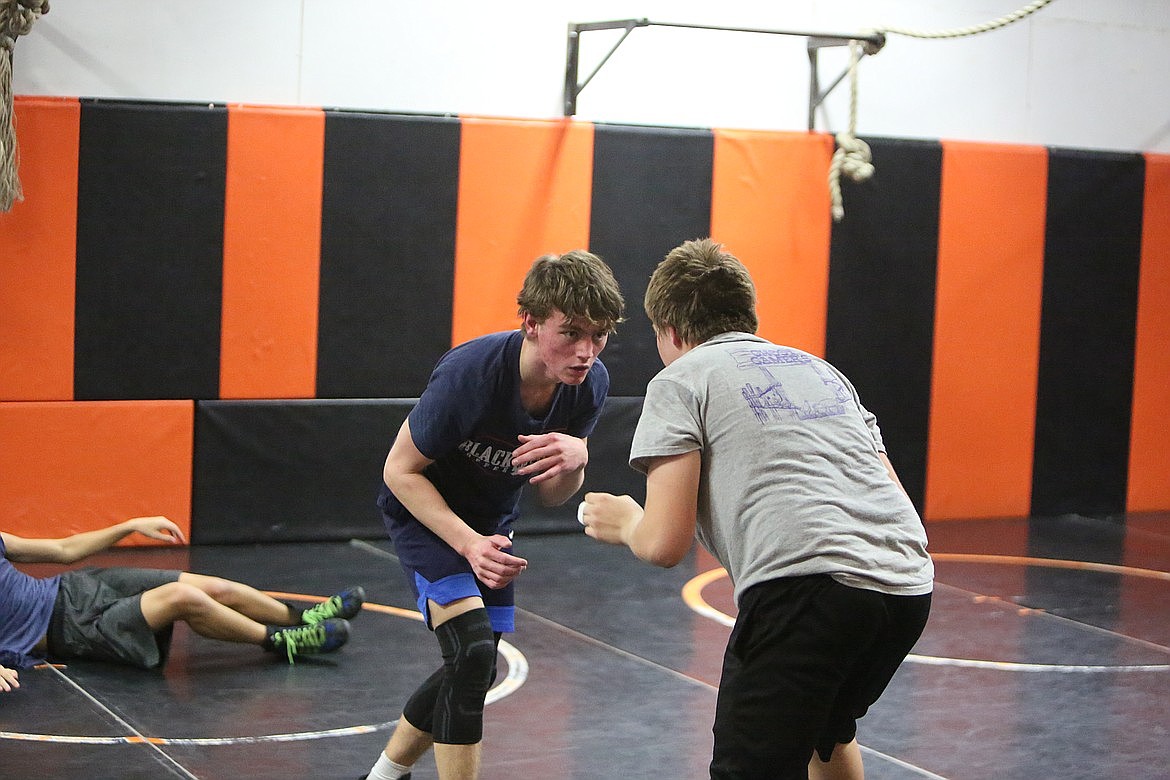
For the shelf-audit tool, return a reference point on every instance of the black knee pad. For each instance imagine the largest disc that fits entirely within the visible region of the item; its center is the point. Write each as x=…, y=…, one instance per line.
x=469, y=660
x=495, y=635
x=420, y=707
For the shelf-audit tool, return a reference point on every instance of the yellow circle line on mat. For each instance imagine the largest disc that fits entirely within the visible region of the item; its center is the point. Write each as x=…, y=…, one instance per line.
x=517, y=674
x=692, y=594
x=1053, y=563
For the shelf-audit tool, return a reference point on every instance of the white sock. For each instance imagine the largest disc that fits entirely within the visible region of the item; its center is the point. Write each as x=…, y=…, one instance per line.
x=385, y=769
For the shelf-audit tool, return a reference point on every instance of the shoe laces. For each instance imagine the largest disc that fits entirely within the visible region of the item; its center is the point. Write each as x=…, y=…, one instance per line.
x=301, y=638
x=330, y=607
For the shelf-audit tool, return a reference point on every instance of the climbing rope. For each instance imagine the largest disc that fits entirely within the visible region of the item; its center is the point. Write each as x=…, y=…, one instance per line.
x=16, y=19
x=852, y=156
x=962, y=32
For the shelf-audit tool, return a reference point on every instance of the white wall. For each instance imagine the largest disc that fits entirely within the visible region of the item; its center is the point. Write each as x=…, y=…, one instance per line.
x=1091, y=74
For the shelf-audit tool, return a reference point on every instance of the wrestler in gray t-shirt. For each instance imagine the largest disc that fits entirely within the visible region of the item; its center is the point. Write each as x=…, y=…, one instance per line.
x=810, y=495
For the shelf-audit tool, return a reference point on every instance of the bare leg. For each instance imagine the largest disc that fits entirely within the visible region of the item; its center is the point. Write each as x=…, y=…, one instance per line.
x=441, y=613
x=242, y=598
x=180, y=601
x=407, y=743
x=457, y=762
x=454, y=762
x=844, y=764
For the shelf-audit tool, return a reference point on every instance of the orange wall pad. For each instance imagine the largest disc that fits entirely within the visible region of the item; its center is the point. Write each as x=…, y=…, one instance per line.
x=987, y=331
x=770, y=206
x=271, y=256
x=37, y=251
x=1149, y=466
x=76, y=466
x=524, y=191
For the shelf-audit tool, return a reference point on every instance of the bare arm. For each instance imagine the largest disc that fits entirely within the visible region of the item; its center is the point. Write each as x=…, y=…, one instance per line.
x=71, y=549
x=555, y=464
x=663, y=532
x=403, y=474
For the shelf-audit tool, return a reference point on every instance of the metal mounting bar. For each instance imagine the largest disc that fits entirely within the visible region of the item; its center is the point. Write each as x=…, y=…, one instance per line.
x=874, y=41
x=816, y=95
x=573, y=55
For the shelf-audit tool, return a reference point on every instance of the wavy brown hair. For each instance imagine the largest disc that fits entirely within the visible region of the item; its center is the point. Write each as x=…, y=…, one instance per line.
x=701, y=290
x=578, y=284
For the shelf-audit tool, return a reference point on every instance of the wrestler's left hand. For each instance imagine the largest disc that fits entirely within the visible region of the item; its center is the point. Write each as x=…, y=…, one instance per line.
x=544, y=456
x=158, y=528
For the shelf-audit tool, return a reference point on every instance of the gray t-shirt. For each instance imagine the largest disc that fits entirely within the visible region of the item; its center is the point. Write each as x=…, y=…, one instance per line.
x=791, y=482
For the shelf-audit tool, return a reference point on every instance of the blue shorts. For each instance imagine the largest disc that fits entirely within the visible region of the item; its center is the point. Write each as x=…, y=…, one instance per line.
x=437, y=573
x=500, y=603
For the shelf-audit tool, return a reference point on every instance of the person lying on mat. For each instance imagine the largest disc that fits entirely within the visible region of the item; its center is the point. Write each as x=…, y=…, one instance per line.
x=126, y=615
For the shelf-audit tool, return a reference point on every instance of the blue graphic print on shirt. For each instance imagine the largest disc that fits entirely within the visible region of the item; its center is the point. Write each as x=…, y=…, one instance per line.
x=803, y=400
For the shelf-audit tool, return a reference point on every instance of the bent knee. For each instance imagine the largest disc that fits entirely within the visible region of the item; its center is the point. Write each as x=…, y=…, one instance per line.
x=475, y=667
x=179, y=598
x=469, y=653
x=217, y=588
x=469, y=648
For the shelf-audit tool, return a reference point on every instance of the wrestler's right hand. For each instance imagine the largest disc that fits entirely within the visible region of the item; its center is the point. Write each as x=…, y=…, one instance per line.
x=9, y=679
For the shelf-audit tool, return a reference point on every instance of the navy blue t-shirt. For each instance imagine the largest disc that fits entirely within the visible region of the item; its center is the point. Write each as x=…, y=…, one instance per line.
x=467, y=421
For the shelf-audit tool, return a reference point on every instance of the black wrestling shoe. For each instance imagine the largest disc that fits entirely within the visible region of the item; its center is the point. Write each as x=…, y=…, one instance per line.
x=343, y=605
x=323, y=637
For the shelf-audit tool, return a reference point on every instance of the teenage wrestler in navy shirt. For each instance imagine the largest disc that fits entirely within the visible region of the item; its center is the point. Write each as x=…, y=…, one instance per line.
x=500, y=411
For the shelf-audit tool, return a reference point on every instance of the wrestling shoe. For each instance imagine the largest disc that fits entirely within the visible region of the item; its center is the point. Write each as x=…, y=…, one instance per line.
x=342, y=605
x=404, y=777
x=323, y=637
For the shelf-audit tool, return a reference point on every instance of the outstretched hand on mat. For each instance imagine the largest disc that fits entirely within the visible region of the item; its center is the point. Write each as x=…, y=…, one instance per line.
x=9, y=679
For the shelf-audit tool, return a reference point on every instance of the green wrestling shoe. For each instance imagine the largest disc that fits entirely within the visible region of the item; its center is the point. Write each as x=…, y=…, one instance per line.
x=323, y=637
x=342, y=605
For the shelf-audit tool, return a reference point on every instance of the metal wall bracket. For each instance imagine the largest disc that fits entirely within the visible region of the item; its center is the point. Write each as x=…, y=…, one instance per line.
x=872, y=41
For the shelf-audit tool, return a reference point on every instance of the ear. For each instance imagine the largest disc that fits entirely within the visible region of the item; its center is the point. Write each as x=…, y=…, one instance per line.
x=674, y=337
x=529, y=323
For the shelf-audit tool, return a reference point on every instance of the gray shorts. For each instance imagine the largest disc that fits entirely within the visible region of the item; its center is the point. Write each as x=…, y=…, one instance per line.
x=98, y=614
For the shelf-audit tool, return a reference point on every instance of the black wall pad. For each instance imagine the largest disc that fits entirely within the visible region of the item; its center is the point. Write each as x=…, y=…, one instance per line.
x=651, y=192
x=305, y=470
x=880, y=324
x=1084, y=397
x=296, y=470
x=608, y=471
x=391, y=185
x=150, y=211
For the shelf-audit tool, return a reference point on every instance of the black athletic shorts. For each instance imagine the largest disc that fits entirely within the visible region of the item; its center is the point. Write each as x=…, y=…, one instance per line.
x=806, y=658
x=98, y=614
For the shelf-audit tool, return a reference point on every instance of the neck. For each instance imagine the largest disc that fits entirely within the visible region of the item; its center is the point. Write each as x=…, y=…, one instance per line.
x=536, y=388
